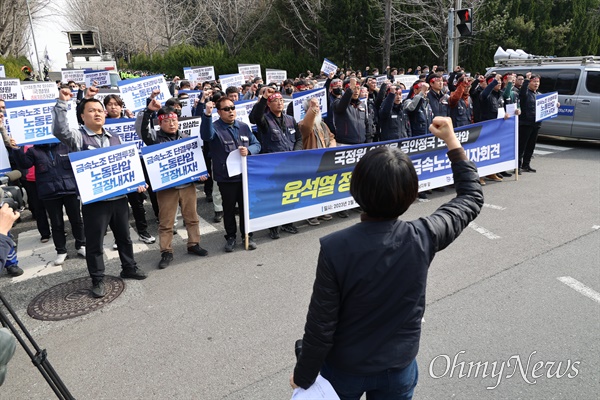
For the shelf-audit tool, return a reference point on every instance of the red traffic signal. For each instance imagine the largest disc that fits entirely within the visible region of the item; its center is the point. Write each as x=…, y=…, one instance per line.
x=465, y=21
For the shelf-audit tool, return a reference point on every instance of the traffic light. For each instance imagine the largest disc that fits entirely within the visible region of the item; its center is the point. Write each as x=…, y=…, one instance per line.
x=465, y=21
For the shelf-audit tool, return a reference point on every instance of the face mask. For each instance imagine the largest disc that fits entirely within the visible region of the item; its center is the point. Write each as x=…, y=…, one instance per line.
x=289, y=90
x=178, y=112
x=337, y=91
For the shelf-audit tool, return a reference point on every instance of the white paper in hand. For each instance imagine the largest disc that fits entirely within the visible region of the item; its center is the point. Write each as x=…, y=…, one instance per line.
x=510, y=109
x=320, y=390
x=234, y=163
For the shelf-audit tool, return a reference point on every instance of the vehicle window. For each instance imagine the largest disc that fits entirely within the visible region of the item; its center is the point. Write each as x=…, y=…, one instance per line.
x=561, y=81
x=592, y=82
x=566, y=82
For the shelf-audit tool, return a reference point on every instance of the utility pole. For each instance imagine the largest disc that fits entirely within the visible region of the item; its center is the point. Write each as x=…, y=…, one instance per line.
x=34, y=43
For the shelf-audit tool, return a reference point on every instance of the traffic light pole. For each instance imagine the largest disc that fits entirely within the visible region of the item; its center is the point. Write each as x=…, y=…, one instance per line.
x=451, y=39
x=456, y=36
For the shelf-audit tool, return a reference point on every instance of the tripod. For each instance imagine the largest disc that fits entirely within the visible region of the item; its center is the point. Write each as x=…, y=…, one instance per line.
x=39, y=358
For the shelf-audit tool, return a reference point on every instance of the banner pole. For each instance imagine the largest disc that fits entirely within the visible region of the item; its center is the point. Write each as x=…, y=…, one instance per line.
x=516, y=147
x=246, y=202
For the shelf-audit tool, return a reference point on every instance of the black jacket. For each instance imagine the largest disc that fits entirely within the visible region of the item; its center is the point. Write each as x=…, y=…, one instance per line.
x=369, y=293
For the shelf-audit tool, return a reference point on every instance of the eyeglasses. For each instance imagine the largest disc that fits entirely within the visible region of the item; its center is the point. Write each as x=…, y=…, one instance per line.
x=232, y=108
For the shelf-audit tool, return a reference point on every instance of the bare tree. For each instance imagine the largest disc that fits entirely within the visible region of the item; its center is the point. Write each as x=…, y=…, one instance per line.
x=236, y=20
x=146, y=26
x=14, y=24
x=301, y=24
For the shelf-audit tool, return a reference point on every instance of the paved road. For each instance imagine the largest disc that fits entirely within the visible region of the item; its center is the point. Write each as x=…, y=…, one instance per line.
x=519, y=285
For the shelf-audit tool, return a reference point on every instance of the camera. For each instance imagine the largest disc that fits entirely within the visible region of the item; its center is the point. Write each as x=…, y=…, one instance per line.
x=11, y=195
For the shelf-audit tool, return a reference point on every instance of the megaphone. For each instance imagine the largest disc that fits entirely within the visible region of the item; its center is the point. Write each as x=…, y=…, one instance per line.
x=500, y=54
x=522, y=54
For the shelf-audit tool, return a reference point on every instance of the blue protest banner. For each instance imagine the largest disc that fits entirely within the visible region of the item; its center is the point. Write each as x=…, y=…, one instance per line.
x=291, y=186
x=107, y=172
x=174, y=163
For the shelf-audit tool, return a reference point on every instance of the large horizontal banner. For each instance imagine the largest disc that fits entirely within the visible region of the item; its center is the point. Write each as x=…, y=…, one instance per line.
x=125, y=129
x=300, y=97
x=107, y=172
x=135, y=92
x=10, y=89
x=546, y=106
x=174, y=163
x=292, y=186
x=31, y=120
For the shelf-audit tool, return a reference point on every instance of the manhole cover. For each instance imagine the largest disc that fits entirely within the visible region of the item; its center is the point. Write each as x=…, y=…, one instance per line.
x=72, y=299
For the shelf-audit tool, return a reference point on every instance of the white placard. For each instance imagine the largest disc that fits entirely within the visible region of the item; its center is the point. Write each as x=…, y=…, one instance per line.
x=2, y=71
x=102, y=78
x=39, y=90
x=406, y=80
x=236, y=80
x=276, y=75
x=4, y=162
x=298, y=99
x=125, y=129
x=249, y=71
x=242, y=111
x=107, y=172
x=10, y=89
x=174, y=163
x=328, y=67
x=75, y=75
x=189, y=127
x=135, y=92
x=199, y=74
x=31, y=121
x=546, y=106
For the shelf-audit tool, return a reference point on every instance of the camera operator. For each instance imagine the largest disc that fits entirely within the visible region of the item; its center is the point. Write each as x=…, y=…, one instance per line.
x=8, y=343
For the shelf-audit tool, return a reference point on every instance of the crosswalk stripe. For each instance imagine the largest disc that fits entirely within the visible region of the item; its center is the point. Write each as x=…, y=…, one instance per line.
x=552, y=147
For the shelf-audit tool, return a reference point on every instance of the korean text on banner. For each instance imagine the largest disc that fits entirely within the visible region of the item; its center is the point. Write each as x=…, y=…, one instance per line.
x=125, y=129
x=39, y=90
x=292, y=186
x=107, y=172
x=249, y=71
x=31, y=121
x=546, y=106
x=102, y=78
x=135, y=92
x=10, y=89
x=328, y=67
x=200, y=74
x=186, y=104
x=406, y=80
x=276, y=75
x=236, y=80
x=75, y=75
x=174, y=163
x=299, y=97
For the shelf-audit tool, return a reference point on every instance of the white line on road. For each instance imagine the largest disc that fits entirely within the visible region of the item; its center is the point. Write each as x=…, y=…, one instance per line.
x=542, y=152
x=483, y=231
x=551, y=147
x=580, y=287
x=494, y=207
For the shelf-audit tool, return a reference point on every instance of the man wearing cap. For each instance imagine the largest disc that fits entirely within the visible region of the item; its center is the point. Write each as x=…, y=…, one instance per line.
x=168, y=199
x=351, y=116
x=276, y=132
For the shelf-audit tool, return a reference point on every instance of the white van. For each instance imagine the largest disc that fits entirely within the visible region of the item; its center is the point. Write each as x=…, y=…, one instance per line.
x=577, y=81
